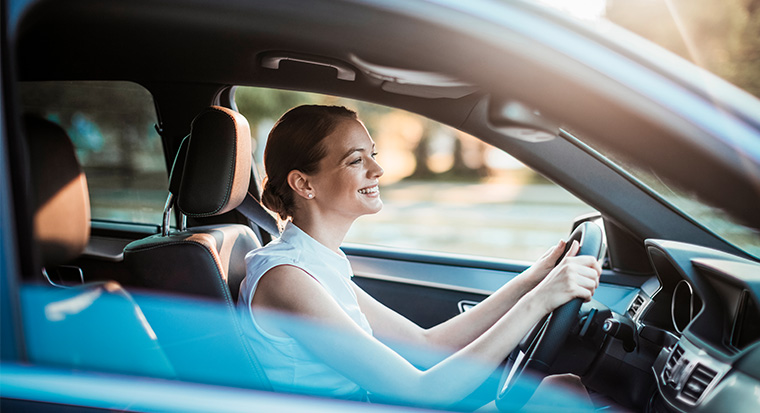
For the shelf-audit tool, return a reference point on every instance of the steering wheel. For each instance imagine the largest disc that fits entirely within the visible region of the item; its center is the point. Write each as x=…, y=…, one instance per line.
x=540, y=347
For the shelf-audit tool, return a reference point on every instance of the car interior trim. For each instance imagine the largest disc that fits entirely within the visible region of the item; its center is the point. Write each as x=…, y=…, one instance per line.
x=422, y=283
x=272, y=60
x=481, y=263
x=689, y=375
x=129, y=229
x=479, y=281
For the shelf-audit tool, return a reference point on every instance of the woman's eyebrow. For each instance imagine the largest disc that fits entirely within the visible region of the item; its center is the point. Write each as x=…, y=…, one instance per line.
x=351, y=151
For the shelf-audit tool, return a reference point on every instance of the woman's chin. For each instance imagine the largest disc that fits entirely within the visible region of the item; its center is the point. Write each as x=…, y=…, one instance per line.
x=376, y=207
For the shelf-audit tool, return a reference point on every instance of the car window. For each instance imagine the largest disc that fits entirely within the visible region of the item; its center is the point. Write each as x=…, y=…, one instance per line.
x=112, y=126
x=443, y=190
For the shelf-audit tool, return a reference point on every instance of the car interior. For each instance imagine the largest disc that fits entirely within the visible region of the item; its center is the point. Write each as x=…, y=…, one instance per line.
x=672, y=327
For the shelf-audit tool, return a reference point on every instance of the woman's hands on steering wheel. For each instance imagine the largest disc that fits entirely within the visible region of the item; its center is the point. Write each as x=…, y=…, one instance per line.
x=541, y=268
x=573, y=277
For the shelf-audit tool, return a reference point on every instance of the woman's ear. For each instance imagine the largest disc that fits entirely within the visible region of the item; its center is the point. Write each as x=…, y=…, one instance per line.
x=300, y=184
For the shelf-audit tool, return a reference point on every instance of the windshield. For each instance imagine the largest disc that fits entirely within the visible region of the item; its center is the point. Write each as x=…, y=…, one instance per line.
x=721, y=36
x=688, y=203
x=712, y=218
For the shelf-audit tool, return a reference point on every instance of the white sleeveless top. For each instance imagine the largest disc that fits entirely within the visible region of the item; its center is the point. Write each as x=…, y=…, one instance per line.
x=288, y=365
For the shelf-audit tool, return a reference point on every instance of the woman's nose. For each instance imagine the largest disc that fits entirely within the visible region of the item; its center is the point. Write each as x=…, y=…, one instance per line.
x=376, y=170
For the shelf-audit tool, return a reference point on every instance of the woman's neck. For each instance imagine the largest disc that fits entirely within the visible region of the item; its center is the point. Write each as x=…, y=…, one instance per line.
x=329, y=233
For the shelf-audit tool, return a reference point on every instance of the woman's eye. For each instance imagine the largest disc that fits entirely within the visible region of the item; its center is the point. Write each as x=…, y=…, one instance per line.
x=356, y=162
x=374, y=154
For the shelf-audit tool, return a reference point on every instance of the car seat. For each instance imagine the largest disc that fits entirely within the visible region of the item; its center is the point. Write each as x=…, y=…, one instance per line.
x=95, y=326
x=201, y=267
x=213, y=171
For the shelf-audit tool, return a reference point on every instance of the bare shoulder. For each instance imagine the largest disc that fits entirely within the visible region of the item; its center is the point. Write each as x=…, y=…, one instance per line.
x=286, y=288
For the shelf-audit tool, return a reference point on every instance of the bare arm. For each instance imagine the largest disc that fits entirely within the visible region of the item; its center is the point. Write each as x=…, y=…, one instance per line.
x=380, y=370
x=461, y=330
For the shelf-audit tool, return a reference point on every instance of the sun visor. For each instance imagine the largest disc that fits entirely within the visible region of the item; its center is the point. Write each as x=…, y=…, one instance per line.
x=415, y=82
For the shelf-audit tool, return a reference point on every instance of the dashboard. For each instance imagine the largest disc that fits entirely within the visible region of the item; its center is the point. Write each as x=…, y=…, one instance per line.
x=708, y=302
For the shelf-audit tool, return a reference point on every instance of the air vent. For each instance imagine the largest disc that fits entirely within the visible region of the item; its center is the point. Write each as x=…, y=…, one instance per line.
x=635, y=306
x=697, y=383
x=672, y=364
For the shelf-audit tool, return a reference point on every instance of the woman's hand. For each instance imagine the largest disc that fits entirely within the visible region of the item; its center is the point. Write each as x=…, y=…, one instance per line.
x=573, y=277
x=541, y=268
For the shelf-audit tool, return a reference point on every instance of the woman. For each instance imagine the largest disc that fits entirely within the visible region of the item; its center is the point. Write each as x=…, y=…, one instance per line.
x=321, y=176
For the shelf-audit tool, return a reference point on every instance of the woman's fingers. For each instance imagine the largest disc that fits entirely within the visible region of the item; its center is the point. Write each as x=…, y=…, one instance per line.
x=589, y=280
x=582, y=276
x=588, y=261
x=586, y=277
x=574, y=248
x=556, y=251
x=574, y=277
x=551, y=256
x=591, y=262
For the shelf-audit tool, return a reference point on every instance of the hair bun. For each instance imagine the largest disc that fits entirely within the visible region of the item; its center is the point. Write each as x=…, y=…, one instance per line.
x=273, y=201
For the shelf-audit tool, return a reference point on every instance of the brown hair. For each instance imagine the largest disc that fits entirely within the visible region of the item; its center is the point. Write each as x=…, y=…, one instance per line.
x=295, y=143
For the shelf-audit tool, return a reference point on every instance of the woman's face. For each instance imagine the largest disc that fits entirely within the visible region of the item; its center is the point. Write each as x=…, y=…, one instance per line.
x=347, y=181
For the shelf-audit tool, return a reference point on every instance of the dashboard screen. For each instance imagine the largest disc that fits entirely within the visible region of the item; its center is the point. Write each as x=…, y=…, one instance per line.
x=746, y=328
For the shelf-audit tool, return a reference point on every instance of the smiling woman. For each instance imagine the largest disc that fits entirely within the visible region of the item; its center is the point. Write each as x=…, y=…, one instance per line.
x=306, y=274
x=295, y=144
x=348, y=176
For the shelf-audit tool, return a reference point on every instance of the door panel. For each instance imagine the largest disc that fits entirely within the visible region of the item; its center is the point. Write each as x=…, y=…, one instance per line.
x=425, y=306
x=428, y=288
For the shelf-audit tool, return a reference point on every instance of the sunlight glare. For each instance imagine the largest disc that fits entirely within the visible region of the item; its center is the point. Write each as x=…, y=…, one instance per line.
x=584, y=9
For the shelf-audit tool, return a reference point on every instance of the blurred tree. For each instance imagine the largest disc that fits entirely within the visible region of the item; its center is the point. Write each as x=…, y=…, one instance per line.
x=110, y=122
x=722, y=36
x=267, y=105
x=469, y=158
x=258, y=104
x=421, y=155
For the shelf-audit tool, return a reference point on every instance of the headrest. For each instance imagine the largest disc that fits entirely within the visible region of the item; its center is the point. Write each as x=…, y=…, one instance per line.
x=217, y=164
x=59, y=188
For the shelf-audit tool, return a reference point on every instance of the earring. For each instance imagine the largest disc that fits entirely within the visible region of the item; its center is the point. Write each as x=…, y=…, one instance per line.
x=311, y=196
